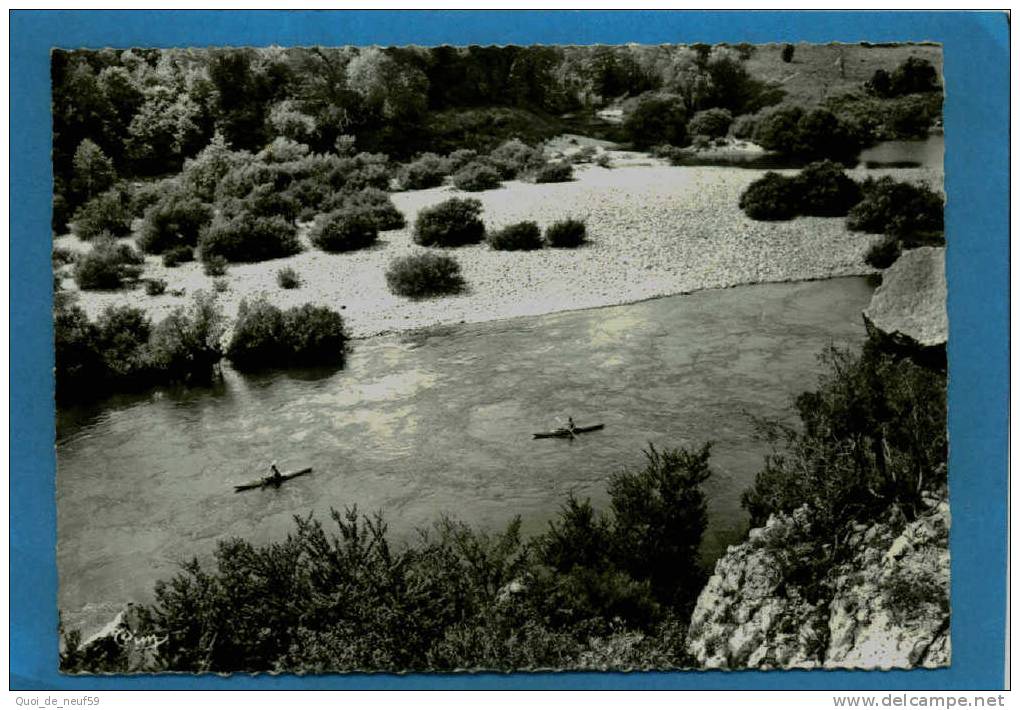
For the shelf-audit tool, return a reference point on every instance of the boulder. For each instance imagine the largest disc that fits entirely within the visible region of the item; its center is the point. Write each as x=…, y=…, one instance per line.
x=908, y=311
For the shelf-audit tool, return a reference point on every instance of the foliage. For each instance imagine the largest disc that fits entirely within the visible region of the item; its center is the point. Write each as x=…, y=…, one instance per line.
x=428, y=170
x=787, y=54
x=657, y=119
x=371, y=201
x=107, y=265
x=824, y=190
x=93, y=171
x=743, y=127
x=913, y=76
x=713, y=122
x=344, y=230
x=770, y=197
x=459, y=158
x=814, y=135
x=247, y=238
x=185, y=346
x=516, y=237
x=288, y=278
x=214, y=265
x=105, y=213
x=476, y=177
x=909, y=212
x=424, y=275
x=514, y=158
x=561, y=171
x=175, y=256
x=155, y=287
x=452, y=223
x=883, y=254
x=174, y=221
x=264, y=336
x=872, y=435
x=566, y=234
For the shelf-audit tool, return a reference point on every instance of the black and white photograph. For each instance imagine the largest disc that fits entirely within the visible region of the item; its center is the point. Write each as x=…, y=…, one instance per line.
x=509, y=358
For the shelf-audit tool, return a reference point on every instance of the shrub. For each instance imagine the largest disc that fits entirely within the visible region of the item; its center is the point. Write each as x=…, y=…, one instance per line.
x=262, y=201
x=345, y=230
x=555, y=172
x=913, y=76
x=883, y=254
x=452, y=223
x=185, y=346
x=106, y=212
x=61, y=256
x=787, y=54
x=657, y=119
x=107, y=265
x=144, y=195
x=743, y=127
x=373, y=202
x=248, y=238
x=459, y=158
x=288, y=278
x=214, y=265
x=604, y=161
x=824, y=190
x=909, y=212
x=475, y=177
x=514, y=158
x=423, y=275
x=61, y=214
x=264, y=336
x=771, y=197
x=816, y=134
x=178, y=255
x=78, y=360
x=220, y=285
x=584, y=155
x=566, y=234
x=516, y=237
x=713, y=122
x=93, y=171
x=175, y=221
x=283, y=150
x=428, y=170
x=155, y=287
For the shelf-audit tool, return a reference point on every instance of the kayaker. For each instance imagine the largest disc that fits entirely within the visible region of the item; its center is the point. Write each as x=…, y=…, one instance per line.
x=570, y=427
x=277, y=477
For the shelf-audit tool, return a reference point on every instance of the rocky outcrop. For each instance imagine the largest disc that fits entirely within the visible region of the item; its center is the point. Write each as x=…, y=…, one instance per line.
x=885, y=606
x=908, y=311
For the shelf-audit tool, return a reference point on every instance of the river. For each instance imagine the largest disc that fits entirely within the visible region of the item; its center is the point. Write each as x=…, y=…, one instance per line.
x=418, y=426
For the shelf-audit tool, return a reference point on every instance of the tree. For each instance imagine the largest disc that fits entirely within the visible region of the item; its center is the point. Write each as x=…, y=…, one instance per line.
x=657, y=119
x=163, y=132
x=93, y=171
x=395, y=91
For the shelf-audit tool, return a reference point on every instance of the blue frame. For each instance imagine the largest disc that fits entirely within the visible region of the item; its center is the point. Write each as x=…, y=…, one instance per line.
x=976, y=55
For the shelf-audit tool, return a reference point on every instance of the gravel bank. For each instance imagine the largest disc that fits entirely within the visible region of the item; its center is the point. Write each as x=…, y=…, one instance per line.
x=655, y=230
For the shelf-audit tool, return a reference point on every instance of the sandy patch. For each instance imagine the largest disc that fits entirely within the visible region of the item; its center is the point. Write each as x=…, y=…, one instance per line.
x=655, y=230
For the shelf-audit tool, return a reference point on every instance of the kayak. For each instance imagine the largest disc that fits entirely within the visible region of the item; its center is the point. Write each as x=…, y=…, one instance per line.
x=270, y=481
x=562, y=432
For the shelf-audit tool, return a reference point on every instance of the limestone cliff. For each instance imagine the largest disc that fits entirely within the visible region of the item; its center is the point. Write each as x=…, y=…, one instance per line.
x=886, y=605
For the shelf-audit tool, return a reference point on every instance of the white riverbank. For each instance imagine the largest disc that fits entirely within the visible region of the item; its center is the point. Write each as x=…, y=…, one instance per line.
x=655, y=230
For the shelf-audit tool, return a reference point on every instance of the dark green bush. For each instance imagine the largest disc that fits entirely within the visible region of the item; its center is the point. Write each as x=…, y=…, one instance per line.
x=371, y=201
x=174, y=221
x=743, y=127
x=288, y=278
x=106, y=212
x=248, y=238
x=516, y=237
x=215, y=265
x=344, y=231
x=771, y=197
x=61, y=256
x=514, y=158
x=428, y=170
x=657, y=119
x=561, y=171
x=424, y=275
x=883, y=254
x=315, y=335
x=264, y=336
x=155, y=287
x=909, y=212
x=813, y=135
x=79, y=361
x=144, y=195
x=452, y=223
x=107, y=265
x=566, y=234
x=61, y=214
x=459, y=158
x=262, y=201
x=178, y=255
x=824, y=190
x=475, y=177
x=713, y=122
x=185, y=346
x=913, y=76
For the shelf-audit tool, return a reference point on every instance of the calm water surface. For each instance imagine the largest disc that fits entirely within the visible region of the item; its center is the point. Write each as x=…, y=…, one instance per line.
x=415, y=428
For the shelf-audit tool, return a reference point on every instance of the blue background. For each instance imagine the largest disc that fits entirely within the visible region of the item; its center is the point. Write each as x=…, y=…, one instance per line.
x=976, y=55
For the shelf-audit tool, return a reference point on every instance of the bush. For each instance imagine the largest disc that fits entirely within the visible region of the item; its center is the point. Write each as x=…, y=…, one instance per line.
x=913, y=76
x=475, y=177
x=262, y=201
x=817, y=134
x=144, y=195
x=824, y=190
x=344, y=231
x=264, y=336
x=713, y=122
x=514, y=158
x=883, y=254
x=743, y=127
x=61, y=214
x=155, y=287
x=604, y=161
x=584, y=155
x=566, y=234
x=61, y=256
x=555, y=172
x=288, y=278
x=371, y=201
x=428, y=170
x=214, y=265
x=106, y=212
x=175, y=221
x=107, y=265
x=771, y=197
x=423, y=275
x=452, y=223
x=249, y=238
x=657, y=119
x=185, y=346
x=459, y=158
x=516, y=237
x=787, y=54
x=909, y=212
x=178, y=255
x=220, y=285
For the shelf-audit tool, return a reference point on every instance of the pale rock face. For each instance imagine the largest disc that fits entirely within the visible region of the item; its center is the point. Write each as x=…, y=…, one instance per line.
x=910, y=305
x=887, y=606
